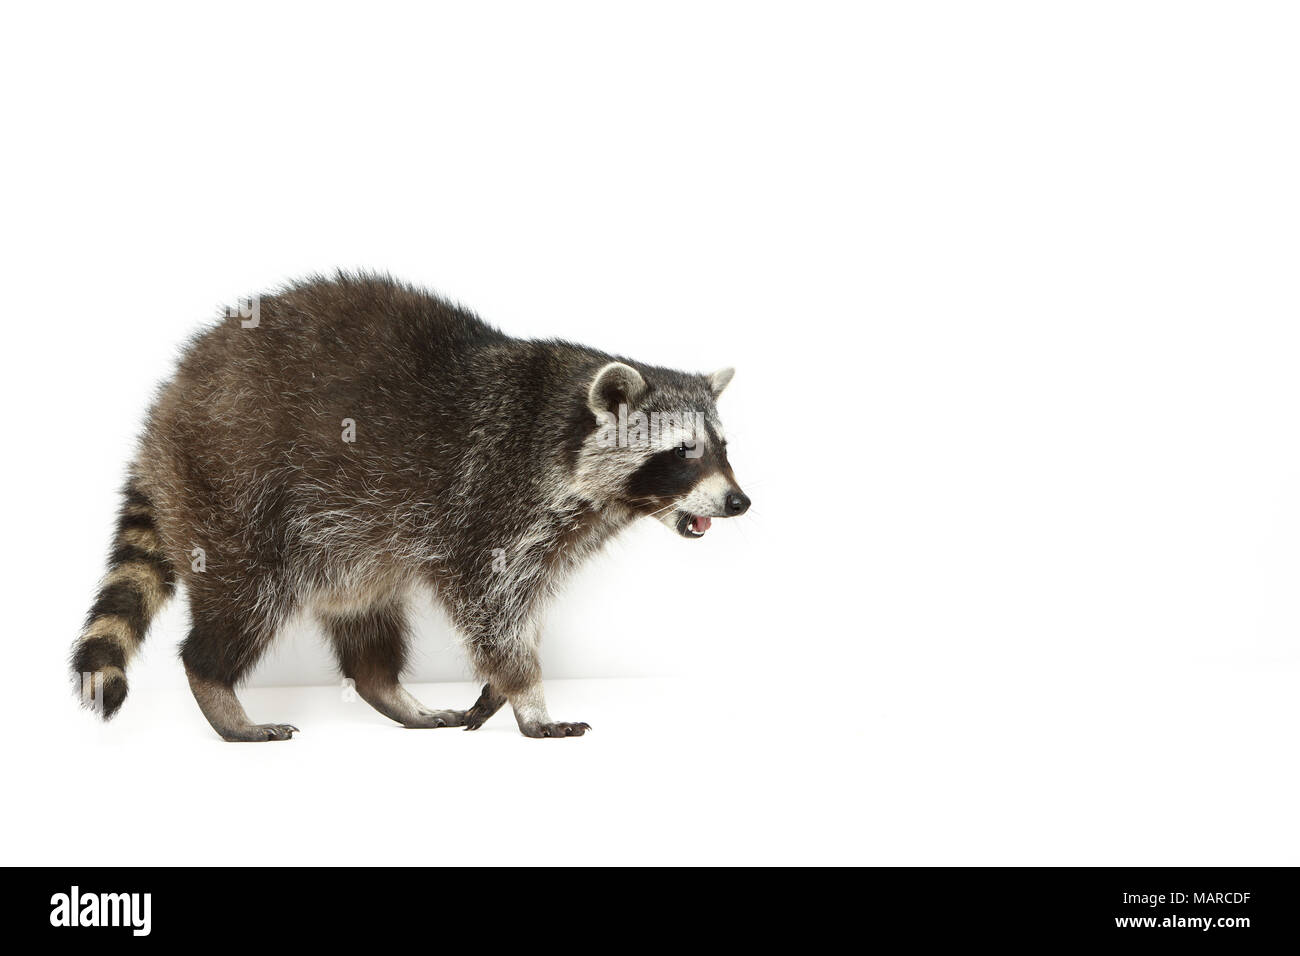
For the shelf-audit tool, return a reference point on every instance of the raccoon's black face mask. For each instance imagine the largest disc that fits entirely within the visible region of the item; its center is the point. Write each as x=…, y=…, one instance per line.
x=659, y=446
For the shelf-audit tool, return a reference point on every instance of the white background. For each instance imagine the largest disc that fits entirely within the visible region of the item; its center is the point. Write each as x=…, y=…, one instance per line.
x=1012, y=293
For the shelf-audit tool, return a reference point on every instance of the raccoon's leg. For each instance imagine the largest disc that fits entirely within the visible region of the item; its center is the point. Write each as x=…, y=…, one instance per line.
x=514, y=674
x=217, y=653
x=371, y=650
x=226, y=714
x=488, y=703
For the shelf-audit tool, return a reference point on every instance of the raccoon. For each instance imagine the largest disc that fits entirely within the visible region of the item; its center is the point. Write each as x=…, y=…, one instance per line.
x=340, y=442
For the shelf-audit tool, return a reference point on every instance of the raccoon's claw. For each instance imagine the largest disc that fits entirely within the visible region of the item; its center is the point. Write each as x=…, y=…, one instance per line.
x=555, y=729
x=256, y=733
x=437, y=718
x=473, y=721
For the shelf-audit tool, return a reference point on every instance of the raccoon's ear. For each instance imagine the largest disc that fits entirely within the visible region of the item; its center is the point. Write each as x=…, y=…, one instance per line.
x=615, y=384
x=720, y=379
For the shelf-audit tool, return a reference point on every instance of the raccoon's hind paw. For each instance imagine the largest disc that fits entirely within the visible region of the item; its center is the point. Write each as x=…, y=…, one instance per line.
x=255, y=733
x=436, y=718
x=557, y=728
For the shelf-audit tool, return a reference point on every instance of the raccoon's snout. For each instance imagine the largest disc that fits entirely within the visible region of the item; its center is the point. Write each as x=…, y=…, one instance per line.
x=692, y=525
x=737, y=503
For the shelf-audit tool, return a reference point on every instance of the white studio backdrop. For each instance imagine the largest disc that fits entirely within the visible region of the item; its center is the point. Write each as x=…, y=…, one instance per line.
x=1010, y=289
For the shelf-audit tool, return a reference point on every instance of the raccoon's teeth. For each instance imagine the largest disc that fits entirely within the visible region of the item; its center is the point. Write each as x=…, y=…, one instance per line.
x=701, y=524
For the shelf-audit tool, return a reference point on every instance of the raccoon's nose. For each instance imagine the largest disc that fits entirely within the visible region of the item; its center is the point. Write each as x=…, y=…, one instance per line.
x=736, y=504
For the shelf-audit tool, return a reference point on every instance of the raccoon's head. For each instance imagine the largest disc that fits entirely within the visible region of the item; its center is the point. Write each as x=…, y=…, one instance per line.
x=658, y=448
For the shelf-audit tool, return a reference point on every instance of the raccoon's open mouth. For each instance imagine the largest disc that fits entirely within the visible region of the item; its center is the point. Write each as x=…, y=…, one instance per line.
x=693, y=526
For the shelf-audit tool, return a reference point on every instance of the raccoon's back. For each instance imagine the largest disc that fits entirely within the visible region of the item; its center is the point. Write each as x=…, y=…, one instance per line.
x=346, y=392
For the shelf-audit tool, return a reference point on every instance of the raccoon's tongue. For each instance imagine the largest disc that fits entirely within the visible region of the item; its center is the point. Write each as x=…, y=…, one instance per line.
x=701, y=524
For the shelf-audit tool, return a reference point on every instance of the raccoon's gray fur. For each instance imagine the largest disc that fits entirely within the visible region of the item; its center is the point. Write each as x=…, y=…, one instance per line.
x=361, y=437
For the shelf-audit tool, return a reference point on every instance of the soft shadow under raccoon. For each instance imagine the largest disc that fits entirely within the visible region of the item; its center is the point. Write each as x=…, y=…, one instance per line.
x=345, y=439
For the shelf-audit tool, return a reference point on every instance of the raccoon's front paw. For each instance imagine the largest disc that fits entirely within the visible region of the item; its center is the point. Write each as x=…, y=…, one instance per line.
x=256, y=733
x=488, y=703
x=436, y=718
x=554, y=729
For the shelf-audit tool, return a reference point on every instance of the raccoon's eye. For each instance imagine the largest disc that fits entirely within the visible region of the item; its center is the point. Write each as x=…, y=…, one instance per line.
x=681, y=450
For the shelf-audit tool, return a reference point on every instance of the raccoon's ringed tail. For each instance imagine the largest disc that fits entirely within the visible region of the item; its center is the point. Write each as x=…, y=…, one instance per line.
x=139, y=581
